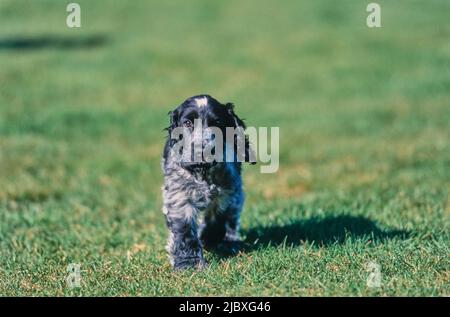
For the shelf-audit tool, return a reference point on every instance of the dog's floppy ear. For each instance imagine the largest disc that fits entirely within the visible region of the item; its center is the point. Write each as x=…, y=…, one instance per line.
x=173, y=119
x=239, y=123
x=173, y=122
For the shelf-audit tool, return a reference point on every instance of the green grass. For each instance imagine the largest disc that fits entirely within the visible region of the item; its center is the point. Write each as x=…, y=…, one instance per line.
x=365, y=153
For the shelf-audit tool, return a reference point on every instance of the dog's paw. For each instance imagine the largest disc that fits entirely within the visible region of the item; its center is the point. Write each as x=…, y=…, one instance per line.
x=189, y=263
x=230, y=248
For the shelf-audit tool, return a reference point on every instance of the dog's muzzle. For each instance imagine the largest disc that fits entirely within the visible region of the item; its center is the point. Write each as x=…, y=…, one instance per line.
x=202, y=150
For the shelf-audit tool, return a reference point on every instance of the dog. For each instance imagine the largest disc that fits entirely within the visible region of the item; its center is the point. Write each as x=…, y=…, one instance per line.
x=202, y=199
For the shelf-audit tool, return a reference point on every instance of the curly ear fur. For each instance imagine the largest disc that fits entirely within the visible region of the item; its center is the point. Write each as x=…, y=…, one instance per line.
x=238, y=122
x=173, y=117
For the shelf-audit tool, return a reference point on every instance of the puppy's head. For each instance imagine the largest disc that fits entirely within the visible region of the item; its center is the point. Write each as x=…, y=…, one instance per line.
x=200, y=125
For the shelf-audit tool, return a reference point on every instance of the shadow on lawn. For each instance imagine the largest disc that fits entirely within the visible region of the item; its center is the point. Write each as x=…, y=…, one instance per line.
x=319, y=231
x=322, y=231
x=25, y=43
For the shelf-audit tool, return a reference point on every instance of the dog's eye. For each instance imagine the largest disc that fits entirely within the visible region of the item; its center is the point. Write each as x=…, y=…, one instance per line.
x=187, y=123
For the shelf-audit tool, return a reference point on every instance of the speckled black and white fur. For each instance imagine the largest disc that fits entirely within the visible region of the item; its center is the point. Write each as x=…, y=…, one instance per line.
x=202, y=202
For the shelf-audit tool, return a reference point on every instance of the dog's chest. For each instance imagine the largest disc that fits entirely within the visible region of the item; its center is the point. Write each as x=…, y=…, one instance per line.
x=222, y=185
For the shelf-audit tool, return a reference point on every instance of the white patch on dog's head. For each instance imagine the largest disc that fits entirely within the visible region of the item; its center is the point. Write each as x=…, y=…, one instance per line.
x=201, y=102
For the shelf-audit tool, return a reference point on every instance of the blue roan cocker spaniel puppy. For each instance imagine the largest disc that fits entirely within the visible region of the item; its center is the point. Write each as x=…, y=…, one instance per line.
x=203, y=195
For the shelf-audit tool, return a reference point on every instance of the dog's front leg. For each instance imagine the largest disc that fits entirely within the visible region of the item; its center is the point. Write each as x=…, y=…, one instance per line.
x=184, y=247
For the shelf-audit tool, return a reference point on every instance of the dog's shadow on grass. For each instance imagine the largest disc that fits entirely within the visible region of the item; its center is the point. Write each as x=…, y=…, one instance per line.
x=29, y=43
x=317, y=231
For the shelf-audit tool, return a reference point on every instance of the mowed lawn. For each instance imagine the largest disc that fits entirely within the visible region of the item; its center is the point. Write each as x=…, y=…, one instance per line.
x=364, y=144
